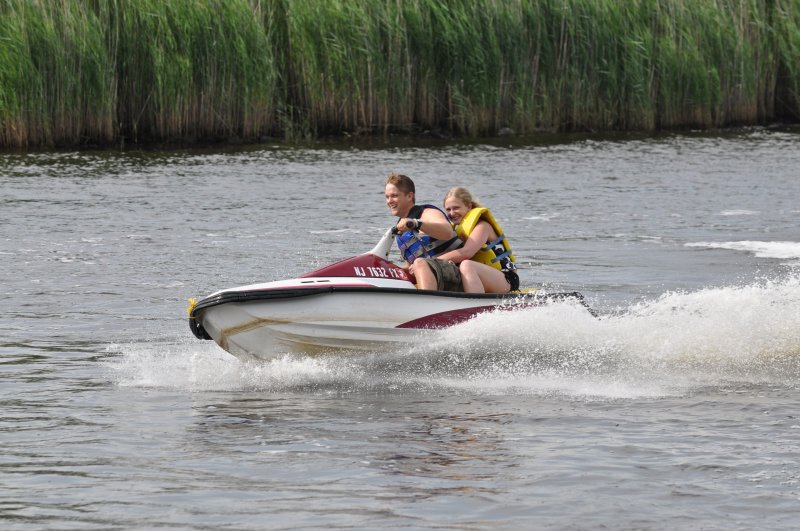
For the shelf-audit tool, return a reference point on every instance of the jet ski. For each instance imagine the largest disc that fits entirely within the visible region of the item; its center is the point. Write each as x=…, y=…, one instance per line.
x=365, y=302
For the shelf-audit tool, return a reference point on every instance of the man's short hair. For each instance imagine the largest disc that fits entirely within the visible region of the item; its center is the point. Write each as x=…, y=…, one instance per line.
x=402, y=182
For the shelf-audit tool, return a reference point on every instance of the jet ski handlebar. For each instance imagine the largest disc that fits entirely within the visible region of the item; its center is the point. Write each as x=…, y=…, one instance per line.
x=385, y=243
x=410, y=224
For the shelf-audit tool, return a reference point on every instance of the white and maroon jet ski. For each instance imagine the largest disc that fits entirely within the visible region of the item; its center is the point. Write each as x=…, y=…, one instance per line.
x=363, y=302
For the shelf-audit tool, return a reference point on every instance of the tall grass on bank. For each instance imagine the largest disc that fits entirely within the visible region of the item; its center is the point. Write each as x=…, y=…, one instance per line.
x=189, y=69
x=56, y=79
x=111, y=72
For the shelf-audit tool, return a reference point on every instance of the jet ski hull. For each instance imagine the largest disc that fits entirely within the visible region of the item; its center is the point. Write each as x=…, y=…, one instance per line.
x=360, y=303
x=261, y=324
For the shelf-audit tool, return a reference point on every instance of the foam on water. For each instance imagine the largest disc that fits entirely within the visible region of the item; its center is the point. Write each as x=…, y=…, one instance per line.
x=675, y=344
x=202, y=366
x=739, y=212
x=781, y=250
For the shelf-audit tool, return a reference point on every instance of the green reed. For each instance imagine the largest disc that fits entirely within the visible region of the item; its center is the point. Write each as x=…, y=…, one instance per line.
x=191, y=69
x=114, y=71
x=55, y=79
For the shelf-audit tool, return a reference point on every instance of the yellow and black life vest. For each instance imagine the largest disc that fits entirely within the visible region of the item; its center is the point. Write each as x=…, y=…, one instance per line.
x=496, y=253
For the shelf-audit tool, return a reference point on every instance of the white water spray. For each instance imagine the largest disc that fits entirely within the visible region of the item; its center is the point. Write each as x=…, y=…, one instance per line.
x=671, y=345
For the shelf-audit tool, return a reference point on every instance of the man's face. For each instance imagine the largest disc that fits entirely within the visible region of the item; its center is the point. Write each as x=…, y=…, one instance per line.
x=398, y=202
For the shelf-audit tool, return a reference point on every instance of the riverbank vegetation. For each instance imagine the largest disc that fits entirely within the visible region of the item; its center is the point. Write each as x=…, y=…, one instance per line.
x=114, y=72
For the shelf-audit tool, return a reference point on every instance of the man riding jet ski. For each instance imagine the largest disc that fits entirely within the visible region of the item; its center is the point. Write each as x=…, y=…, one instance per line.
x=364, y=302
x=423, y=233
x=474, y=257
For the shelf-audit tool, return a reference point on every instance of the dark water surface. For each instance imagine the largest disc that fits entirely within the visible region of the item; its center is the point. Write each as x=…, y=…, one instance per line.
x=677, y=409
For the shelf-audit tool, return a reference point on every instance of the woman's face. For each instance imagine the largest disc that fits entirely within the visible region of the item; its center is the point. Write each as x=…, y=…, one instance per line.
x=455, y=208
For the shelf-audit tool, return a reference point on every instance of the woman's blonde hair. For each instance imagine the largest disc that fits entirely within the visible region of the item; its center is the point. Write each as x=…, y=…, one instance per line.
x=463, y=195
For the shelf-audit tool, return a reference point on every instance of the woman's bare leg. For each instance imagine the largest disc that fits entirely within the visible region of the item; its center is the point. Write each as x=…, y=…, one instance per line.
x=490, y=280
x=470, y=277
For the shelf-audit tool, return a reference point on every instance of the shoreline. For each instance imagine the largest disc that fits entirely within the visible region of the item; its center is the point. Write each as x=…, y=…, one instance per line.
x=368, y=142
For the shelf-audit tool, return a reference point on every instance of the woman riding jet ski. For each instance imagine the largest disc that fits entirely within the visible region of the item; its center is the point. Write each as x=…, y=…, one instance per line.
x=485, y=261
x=361, y=303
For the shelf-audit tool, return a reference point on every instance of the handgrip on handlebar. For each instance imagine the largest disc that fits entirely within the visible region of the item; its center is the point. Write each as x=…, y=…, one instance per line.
x=410, y=224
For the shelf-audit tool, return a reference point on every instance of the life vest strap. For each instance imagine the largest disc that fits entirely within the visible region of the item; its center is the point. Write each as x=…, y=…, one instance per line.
x=494, y=243
x=500, y=256
x=413, y=246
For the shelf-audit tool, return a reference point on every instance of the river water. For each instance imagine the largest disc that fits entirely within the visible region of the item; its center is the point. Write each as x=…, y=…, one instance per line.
x=678, y=408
